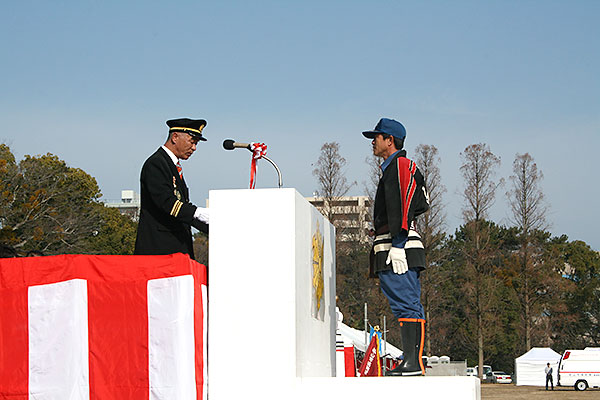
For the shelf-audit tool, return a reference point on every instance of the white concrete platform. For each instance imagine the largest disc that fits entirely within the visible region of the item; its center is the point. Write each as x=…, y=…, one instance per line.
x=271, y=307
x=422, y=387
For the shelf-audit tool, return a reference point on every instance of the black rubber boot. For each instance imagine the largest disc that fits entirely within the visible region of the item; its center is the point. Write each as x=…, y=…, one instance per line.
x=413, y=334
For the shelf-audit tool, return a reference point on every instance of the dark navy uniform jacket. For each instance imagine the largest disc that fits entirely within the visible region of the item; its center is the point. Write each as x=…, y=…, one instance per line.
x=166, y=212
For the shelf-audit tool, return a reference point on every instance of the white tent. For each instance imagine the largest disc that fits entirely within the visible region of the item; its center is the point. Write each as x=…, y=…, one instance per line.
x=529, y=368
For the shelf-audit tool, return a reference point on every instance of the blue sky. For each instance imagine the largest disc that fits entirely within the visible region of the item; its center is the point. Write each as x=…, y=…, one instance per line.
x=94, y=82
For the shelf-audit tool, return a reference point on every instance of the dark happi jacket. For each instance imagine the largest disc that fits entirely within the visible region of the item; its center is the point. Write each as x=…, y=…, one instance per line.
x=401, y=196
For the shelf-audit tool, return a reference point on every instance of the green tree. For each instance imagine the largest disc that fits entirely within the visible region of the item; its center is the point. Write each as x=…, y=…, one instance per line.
x=478, y=250
x=116, y=234
x=476, y=286
x=533, y=271
x=431, y=228
x=580, y=327
x=201, y=248
x=471, y=290
x=8, y=187
x=50, y=207
x=528, y=214
x=47, y=205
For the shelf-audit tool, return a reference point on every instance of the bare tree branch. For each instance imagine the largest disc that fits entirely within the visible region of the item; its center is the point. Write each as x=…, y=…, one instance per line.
x=431, y=226
x=528, y=214
x=478, y=170
x=329, y=171
x=525, y=197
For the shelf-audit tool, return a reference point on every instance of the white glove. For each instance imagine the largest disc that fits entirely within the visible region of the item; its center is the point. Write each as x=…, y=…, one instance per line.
x=202, y=214
x=397, y=257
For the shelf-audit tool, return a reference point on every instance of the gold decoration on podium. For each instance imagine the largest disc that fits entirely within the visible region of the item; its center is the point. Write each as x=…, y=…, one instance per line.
x=317, y=281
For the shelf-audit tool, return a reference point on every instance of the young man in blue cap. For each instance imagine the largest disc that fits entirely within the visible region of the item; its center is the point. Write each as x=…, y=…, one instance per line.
x=398, y=256
x=167, y=213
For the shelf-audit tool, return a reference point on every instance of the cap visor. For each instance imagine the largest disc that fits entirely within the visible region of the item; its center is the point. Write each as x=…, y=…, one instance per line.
x=370, y=134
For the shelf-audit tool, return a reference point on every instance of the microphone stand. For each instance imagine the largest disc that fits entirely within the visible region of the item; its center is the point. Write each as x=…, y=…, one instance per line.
x=276, y=168
x=230, y=144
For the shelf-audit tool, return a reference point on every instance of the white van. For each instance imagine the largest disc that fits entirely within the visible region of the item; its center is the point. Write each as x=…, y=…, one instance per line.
x=487, y=373
x=487, y=369
x=580, y=368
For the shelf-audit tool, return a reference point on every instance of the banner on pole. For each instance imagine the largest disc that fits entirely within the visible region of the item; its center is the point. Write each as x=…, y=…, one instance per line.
x=371, y=365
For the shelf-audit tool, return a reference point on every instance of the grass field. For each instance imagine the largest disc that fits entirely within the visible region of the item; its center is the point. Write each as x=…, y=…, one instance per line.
x=511, y=392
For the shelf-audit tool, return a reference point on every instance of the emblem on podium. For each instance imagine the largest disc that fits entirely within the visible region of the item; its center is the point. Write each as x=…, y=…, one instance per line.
x=317, y=263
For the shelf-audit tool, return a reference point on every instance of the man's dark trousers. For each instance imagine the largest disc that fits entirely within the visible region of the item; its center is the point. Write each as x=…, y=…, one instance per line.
x=549, y=378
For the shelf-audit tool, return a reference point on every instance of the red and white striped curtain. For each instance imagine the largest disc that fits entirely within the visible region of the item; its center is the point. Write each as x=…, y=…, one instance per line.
x=103, y=327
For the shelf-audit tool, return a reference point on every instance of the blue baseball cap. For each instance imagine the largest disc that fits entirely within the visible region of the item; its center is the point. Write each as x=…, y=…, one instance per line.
x=387, y=126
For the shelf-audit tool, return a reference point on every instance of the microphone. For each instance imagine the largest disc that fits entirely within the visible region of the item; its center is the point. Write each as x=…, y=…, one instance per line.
x=229, y=144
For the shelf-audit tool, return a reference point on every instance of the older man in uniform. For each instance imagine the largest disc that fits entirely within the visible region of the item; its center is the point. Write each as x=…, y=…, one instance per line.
x=166, y=212
x=398, y=256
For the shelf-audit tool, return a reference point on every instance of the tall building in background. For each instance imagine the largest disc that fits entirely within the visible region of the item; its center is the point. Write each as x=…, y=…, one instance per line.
x=351, y=216
x=128, y=205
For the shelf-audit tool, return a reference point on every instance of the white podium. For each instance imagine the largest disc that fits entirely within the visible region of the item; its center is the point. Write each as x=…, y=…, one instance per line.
x=272, y=293
x=271, y=306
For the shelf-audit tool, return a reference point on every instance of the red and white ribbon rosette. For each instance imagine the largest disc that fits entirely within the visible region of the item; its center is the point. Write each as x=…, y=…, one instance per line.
x=258, y=151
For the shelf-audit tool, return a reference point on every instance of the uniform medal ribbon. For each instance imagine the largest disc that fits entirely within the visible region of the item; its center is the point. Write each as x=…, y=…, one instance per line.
x=258, y=151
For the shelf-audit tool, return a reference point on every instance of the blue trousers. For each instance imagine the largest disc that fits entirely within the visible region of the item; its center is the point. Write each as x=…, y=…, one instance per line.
x=403, y=292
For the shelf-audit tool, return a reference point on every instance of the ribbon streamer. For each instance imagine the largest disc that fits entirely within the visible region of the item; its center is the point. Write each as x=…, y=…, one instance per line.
x=258, y=151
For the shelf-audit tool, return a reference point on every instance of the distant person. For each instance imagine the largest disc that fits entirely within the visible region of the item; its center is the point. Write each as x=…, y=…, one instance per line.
x=398, y=256
x=548, y=371
x=166, y=214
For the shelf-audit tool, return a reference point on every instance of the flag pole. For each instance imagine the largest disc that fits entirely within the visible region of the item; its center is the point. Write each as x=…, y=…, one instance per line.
x=366, y=329
x=384, y=345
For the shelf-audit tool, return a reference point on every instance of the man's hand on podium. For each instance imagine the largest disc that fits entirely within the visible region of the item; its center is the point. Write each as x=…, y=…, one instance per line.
x=202, y=214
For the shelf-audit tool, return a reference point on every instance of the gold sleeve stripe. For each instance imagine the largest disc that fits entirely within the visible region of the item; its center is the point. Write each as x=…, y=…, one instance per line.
x=176, y=208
